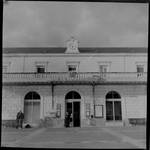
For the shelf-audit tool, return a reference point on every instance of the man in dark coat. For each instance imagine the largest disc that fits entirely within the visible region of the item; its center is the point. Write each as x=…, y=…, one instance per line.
x=67, y=120
x=19, y=118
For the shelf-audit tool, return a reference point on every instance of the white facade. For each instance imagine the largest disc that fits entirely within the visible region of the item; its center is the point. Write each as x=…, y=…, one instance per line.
x=20, y=77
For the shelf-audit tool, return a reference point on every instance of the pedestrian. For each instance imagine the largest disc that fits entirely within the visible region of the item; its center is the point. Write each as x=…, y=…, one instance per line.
x=70, y=120
x=19, y=119
x=67, y=120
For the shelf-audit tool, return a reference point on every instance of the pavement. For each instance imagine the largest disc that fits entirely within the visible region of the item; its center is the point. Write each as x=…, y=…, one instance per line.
x=86, y=137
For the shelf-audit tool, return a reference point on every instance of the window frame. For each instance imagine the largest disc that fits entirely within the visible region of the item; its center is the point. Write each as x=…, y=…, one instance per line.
x=41, y=64
x=6, y=65
x=72, y=63
x=38, y=67
x=107, y=64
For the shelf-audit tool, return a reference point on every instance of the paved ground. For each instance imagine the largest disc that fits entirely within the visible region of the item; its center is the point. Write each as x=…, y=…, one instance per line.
x=92, y=137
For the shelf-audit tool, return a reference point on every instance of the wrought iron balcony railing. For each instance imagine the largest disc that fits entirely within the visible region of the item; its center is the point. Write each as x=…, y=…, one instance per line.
x=75, y=77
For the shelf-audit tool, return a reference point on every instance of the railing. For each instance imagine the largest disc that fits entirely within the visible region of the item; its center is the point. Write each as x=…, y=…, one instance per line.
x=75, y=77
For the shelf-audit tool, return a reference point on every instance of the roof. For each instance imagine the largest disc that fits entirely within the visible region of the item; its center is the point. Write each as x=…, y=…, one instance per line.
x=60, y=50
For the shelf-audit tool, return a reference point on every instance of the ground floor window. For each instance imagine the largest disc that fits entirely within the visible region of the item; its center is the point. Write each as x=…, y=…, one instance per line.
x=32, y=107
x=113, y=106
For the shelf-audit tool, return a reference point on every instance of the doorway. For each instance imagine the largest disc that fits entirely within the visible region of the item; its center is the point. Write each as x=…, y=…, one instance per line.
x=73, y=108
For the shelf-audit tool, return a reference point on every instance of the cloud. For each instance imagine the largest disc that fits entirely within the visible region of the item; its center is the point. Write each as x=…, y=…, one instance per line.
x=93, y=24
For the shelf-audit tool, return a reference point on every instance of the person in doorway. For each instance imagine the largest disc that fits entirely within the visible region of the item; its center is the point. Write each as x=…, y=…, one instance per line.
x=19, y=118
x=70, y=120
x=67, y=120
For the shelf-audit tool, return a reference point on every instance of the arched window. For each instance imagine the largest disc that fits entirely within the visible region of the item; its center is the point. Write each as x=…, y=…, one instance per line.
x=113, y=106
x=32, y=107
x=73, y=95
x=32, y=95
x=113, y=95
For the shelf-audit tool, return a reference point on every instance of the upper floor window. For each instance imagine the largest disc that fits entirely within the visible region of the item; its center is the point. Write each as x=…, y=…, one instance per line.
x=6, y=67
x=72, y=68
x=140, y=68
x=41, y=67
x=103, y=68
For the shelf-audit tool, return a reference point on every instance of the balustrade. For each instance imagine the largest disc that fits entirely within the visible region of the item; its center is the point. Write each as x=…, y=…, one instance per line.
x=81, y=76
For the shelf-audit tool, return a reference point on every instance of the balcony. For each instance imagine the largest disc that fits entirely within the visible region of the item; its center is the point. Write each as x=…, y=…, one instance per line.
x=82, y=77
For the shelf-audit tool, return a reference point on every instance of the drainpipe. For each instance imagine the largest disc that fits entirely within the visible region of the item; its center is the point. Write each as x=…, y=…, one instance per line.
x=23, y=63
x=93, y=91
x=52, y=96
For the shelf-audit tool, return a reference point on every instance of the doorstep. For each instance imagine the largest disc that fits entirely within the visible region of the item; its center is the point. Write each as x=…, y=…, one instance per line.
x=114, y=123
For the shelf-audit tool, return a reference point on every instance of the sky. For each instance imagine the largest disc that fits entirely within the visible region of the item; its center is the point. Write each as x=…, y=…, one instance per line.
x=93, y=24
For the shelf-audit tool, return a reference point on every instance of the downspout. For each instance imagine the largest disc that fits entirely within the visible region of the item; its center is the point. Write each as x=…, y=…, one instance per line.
x=93, y=91
x=52, y=96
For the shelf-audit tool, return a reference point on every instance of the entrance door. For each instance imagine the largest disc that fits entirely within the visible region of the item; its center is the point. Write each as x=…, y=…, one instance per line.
x=76, y=114
x=74, y=109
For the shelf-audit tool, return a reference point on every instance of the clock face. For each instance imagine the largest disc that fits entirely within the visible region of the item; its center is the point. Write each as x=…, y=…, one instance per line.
x=71, y=45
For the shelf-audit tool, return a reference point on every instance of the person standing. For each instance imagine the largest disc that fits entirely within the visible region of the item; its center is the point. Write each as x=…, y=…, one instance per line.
x=67, y=120
x=71, y=120
x=19, y=118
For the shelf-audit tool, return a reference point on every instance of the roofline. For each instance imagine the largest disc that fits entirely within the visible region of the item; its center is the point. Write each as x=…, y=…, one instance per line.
x=61, y=50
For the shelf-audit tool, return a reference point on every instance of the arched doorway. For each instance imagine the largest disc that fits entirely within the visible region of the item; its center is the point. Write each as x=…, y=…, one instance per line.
x=73, y=107
x=113, y=106
x=32, y=107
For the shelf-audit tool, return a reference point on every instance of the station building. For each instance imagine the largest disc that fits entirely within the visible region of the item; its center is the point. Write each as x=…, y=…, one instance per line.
x=100, y=86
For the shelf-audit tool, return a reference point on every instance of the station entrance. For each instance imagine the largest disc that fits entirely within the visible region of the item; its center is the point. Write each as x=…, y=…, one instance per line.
x=72, y=118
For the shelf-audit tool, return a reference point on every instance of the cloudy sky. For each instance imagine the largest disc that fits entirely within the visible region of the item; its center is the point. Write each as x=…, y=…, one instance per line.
x=45, y=24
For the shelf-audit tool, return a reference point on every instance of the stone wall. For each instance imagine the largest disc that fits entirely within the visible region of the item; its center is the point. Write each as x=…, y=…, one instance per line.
x=133, y=100
x=13, y=100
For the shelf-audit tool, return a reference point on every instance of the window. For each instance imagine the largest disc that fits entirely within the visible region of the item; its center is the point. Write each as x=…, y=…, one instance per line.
x=72, y=68
x=140, y=67
x=113, y=106
x=140, y=70
x=113, y=95
x=40, y=69
x=73, y=95
x=103, y=71
x=32, y=107
x=103, y=68
x=5, y=68
x=32, y=95
x=41, y=66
